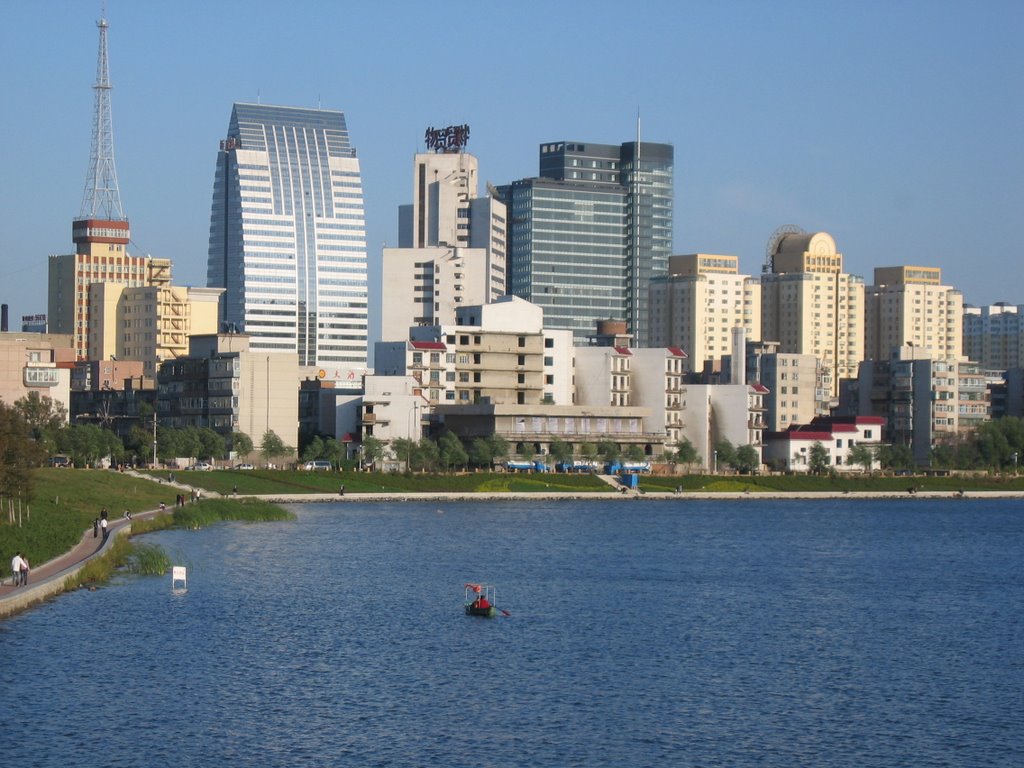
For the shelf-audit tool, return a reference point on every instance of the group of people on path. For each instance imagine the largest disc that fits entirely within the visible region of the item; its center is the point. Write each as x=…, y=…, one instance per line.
x=101, y=523
x=20, y=569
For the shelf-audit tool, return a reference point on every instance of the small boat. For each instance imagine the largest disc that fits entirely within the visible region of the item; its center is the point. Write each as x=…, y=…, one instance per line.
x=480, y=600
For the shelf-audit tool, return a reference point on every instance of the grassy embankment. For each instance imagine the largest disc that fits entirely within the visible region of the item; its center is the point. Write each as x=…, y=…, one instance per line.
x=828, y=484
x=297, y=481
x=67, y=500
x=149, y=559
x=281, y=481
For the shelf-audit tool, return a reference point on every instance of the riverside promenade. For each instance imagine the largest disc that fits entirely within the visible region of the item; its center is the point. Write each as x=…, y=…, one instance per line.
x=48, y=579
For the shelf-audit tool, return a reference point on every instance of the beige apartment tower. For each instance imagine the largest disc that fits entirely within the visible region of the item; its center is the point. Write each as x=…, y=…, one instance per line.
x=909, y=306
x=696, y=306
x=148, y=323
x=100, y=257
x=810, y=306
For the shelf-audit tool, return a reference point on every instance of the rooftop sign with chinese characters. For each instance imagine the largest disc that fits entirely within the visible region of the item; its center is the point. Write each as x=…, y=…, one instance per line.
x=451, y=139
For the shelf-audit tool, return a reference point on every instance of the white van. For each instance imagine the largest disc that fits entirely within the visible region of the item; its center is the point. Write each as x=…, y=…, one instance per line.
x=318, y=465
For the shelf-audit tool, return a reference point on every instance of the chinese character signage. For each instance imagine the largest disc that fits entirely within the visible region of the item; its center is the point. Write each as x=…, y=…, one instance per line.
x=451, y=139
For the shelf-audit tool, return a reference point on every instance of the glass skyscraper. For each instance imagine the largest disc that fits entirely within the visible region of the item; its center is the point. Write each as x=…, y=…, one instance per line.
x=287, y=236
x=586, y=237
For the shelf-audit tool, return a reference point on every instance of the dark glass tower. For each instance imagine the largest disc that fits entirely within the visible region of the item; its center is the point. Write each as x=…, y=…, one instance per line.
x=586, y=237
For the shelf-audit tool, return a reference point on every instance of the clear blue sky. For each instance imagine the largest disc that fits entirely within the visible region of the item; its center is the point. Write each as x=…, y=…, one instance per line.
x=898, y=127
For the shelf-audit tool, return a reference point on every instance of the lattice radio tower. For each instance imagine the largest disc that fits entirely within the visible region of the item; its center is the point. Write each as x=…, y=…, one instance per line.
x=102, y=198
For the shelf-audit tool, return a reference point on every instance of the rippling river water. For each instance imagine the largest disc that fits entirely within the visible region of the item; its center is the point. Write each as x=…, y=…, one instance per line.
x=671, y=633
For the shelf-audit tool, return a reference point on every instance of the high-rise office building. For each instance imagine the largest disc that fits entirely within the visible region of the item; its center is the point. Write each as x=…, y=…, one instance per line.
x=910, y=306
x=287, y=236
x=587, y=236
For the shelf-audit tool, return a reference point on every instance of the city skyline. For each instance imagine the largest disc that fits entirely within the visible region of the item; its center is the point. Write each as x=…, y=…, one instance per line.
x=875, y=124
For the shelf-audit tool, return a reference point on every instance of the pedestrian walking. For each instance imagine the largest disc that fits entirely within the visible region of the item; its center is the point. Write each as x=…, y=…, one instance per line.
x=95, y=527
x=103, y=527
x=24, y=571
x=234, y=490
x=16, y=568
x=341, y=491
x=103, y=513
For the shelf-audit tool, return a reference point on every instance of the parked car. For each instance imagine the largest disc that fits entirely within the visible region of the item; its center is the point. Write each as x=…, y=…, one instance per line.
x=201, y=466
x=318, y=465
x=244, y=466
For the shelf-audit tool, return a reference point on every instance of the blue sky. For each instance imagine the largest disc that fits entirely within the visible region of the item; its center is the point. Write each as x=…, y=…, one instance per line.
x=895, y=126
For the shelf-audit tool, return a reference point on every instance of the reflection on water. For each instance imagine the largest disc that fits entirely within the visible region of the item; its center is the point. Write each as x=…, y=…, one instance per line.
x=661, y=633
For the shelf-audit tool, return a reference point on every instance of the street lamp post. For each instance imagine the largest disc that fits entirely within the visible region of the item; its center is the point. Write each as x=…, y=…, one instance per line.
x=715, y=471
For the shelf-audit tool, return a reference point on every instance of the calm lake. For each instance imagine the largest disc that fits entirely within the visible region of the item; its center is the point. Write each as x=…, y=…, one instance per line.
x=642, y=633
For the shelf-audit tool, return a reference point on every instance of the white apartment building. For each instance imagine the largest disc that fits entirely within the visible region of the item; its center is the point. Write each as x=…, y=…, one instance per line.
x=717, y=412
x=810, y=306
x=498, y=352
x=909, y=305
x=699, y=302
x=649, y=378
x=451, y=247
x=790, y=449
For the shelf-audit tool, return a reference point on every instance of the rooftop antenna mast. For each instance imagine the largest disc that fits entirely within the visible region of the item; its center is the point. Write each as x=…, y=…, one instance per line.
x=102, y=198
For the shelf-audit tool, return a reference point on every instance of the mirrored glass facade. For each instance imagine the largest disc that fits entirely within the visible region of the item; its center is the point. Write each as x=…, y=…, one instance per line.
x=287, y=235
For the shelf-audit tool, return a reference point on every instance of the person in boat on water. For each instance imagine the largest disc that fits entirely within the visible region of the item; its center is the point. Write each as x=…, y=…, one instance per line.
x=482, y=602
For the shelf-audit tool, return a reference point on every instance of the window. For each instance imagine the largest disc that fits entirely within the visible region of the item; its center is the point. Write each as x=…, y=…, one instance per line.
x=521, y=378
x=549, y=361
x=521, y=360
x=417, y=358
x=522, y=341
x=476, y=377
x=549, y=343
x=476, y=358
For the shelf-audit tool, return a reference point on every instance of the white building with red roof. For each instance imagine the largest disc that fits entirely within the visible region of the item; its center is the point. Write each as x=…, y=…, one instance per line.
x=790, y=450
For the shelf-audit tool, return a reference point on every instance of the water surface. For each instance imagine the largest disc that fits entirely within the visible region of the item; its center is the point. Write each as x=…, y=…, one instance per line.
x=847, y=633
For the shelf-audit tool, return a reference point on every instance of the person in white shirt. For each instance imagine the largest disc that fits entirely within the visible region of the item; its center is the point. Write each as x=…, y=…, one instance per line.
x=16, y=562
x=103, y=527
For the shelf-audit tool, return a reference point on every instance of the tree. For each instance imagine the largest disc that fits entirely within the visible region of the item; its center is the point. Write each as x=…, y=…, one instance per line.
x=451, y=452
x=528, y=451
x=334, y=451
x=560, y=451
x=426, y=456
x=609, y=451
x=211, y=444
x=635, y=453
x=18, y=453
x=499, y=447
x=241, y=443
x=272, y=446
x=747, y=459
x=589, y=451
x=314, y=449
x=372, y=450
x=817, y=458
x=725, y=455
x=480, y=452
x=404, y=450
x=863, y=455
x=896, y=457
x=44, y=417
x=686, y=453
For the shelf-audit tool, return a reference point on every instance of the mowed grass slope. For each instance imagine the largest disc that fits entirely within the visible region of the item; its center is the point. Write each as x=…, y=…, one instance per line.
x=64, y=505
x=280, y=481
